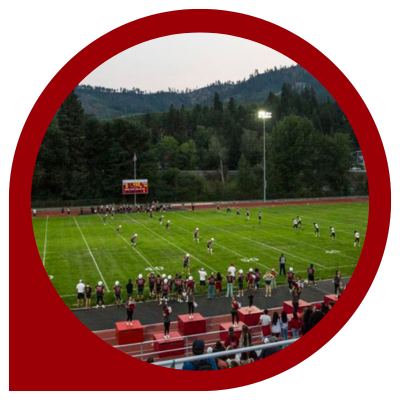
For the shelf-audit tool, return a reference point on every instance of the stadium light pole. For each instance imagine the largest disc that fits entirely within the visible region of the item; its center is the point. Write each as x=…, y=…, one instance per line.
x=264, y=115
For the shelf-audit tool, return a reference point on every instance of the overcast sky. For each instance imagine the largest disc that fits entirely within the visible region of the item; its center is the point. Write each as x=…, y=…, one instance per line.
x=187, y=60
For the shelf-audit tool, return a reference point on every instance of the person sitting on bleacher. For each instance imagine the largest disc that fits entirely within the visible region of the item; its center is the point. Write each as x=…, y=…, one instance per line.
x=270, y=350
x=201, y=365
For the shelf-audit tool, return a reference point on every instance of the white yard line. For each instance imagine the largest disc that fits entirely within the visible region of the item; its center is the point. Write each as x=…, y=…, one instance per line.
x=91, y=254
x=172, y=244
x=263, y=244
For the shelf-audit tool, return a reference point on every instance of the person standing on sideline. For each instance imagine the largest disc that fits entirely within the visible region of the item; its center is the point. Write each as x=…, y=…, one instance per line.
x=117, y=294
x=88, y=295
x=294, y=325
x=240, y=279
x=100, y=295
x=295, y=297
x=336, y=281
x=247, y=214
x=273, y=281
x=282, y=265
x=211, y=287
x=203, y=276
x=356, y=238
x=265, y=322
x=268, y=281
x=250, y=295
x=218, y=283
x=129, y=288
x=191, y=301
x=130, y=308
x=276, y=325
x=340, y=289
x=290, y=278
x=284, y=325
x=311, y=274
x=230, y=279
x=80, y=289
x=232, y=270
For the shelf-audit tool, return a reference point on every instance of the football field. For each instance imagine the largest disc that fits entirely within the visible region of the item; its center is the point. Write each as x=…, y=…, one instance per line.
x=82, y=247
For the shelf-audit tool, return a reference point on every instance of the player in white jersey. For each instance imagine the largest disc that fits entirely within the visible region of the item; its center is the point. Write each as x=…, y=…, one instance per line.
x=295, y=223
x=209, y=245
x=167, y=225
x=134, y=240
x=333, y=233
x=316, y=227
x=259, y=217
x=299, y=221
x=247, y=213
x=160, y=220
x=118, y=229
x=237, y=211
x=196, y=235
x=105, y=218
x=356, y=238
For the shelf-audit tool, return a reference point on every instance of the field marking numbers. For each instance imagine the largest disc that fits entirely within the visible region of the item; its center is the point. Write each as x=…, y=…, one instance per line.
x=91, y=254
x=45, y=244
x=155, y=269
x=246, y=260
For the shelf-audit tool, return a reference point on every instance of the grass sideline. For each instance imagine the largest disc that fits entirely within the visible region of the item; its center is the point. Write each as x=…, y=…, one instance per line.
x=83, y=247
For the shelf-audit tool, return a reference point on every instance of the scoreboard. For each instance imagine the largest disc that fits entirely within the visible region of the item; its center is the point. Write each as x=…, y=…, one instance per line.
x=135, y=186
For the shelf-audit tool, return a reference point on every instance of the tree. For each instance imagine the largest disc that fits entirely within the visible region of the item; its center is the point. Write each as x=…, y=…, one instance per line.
x=218, y=155
x=167, y=151
x=251, y=146
x=187, y=158
x=245, y=179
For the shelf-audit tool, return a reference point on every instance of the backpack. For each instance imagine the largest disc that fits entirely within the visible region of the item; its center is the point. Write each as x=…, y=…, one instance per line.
x=203, y=365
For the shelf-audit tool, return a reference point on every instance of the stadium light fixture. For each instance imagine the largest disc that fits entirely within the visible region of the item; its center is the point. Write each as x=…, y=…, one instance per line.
x=264, y=115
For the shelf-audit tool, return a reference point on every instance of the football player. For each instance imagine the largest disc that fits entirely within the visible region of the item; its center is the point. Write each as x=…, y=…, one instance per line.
x=316, y=227
x=333, y=233
x=160, y=220
x=105, y=218
x=295, y=223
x=356, y=238
x=134, y=240
x=196, y=235
x=259, y=217
x=140, y=281
x=118, y=229
x=299, y=221
x=209, y=245
x=186, y=263
x=117, y=294
x=167, y=225
x=247, y=213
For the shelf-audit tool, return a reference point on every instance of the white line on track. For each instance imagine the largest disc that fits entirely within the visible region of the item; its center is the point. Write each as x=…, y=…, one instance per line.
x=91, y=254
x=172, y=244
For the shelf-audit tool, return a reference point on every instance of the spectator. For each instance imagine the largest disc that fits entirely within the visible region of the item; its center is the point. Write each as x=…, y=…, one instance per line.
x=294, y=326
x=235, y=311
x=284, y=325
x=218, y=348
x=305, y=326
x=245, y=338
x=276, y=325
x=229, y=287
x=218, y=283
x=80, y=289
x=234, y=364
x=246, y=359
x=202, y=365
x=232, y=340
x=233, y=358
x=250, y=295
x=269, y=351
x=211, y=287
x=167, y=320
x=253, y=355
x=316, y=316
x=336, y=282
x=340, y=289
x=150, y=360
x=265, y=322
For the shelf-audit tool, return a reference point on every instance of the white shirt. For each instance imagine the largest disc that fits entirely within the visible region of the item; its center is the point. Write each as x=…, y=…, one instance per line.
x=80, y=287
x=232, y=270
x=357, y=234
x=265, y=320
x=203, y=275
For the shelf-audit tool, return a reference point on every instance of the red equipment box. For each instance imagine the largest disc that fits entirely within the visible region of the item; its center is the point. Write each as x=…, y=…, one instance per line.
x=127, y=334
x=224, y=328
x=329, y=298
x=288, y=306
x=250, y=317
x=176, y=344
x=193, y=326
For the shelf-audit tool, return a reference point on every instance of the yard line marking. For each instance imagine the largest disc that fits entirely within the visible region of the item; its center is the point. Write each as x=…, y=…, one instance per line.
x=133, y=248
x=192, y=256
x=91, y=254
x=45, y=243
x=265, y=245
x=220, y=245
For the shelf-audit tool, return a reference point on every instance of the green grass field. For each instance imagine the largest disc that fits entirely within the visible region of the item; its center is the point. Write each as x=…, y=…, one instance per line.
x=82, y=247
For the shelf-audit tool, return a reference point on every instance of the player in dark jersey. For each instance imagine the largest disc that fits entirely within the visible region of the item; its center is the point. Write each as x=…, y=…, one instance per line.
x=134, y=240
x=129, y=288
x=257, y=279
x=179, y=286
x=118, y=229
x=117, y=294
x=237, y=211
x=190, y=284
x=259, y=217
x=160, y=220
x=140, y=282
x=170, y=285
x=167, y=225
x=158, y=286
x=100, y=294
x=333, y=233
x=151, y=212
x=186, y=263
x=295, y=223
x=247, y=213
x=290, y=278
x=250, y=278
x=152, y=282
x=105, y=218
x=228, y=209
x=165, y=290
x=316, y=228
x=311, y=274
x=218, y=208
x=209, y=245
x=196, y=235
x=88, y=295
x=240, y=279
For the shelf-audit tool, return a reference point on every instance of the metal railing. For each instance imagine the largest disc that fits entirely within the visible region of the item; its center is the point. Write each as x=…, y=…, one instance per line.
x=240, y=350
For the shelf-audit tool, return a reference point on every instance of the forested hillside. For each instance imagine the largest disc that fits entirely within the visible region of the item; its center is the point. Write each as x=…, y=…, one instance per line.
x=108, y=103
x=309, y=149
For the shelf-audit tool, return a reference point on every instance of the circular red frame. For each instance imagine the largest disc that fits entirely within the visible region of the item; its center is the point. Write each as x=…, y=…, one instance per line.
x=56, y=336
